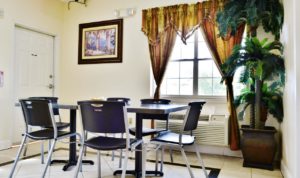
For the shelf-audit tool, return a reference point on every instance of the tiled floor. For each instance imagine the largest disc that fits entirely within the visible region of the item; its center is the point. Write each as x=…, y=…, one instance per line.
x=231, y=167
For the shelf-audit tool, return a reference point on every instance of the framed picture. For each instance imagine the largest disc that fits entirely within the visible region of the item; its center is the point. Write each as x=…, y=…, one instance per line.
x=100, y=42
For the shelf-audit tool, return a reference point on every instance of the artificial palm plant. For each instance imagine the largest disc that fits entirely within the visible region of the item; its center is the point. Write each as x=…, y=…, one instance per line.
x=271, y=101
x=263, y=73
x=262, y=64
x=268, y=13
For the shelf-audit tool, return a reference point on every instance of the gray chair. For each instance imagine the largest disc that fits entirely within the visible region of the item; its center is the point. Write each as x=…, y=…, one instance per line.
x=38, y=113
x=105, y=118
x=59, y=124
x=182, y=139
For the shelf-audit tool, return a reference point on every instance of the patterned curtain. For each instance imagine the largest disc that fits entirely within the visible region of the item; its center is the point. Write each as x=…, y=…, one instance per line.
x=162, y=24
x=221, y=49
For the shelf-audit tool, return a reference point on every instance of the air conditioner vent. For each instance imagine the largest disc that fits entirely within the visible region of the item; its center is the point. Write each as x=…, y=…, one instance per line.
x=211, y=130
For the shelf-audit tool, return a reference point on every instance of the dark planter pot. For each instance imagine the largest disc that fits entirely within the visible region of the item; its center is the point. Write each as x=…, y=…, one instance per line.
x=258, y=147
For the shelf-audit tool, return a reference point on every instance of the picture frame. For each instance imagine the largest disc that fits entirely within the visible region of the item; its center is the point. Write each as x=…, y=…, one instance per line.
x=100, y=42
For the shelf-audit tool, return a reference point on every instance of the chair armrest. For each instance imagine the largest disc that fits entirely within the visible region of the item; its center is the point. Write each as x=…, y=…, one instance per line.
x=136, y=143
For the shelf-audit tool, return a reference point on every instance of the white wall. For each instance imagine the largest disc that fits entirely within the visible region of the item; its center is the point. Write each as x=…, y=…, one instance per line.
x=296, y=58
x=130, y=78
x=290, y=132
x=42, y=15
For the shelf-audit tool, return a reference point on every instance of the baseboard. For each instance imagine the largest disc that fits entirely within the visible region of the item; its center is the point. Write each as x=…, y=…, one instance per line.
x=5, y=144
x=220, y=150
x=285, y=171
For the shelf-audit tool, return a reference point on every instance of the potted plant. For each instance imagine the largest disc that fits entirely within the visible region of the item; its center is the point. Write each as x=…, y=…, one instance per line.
x=263, y=71
x=263, y=66
x=259, y=145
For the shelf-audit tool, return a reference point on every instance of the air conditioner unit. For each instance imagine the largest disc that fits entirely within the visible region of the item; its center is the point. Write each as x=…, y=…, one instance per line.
x=211, y=130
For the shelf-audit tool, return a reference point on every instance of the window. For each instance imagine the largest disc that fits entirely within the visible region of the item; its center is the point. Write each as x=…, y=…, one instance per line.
x=192, y=71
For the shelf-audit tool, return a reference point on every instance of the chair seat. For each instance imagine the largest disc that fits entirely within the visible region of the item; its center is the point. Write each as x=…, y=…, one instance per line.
x=46, y=134
x=107, y=143
x=146, y=131
x=171, y=137
x=61, y=125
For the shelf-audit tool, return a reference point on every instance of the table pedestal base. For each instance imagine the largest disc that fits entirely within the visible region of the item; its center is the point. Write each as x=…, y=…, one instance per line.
x=139, y=174
x=70, y=163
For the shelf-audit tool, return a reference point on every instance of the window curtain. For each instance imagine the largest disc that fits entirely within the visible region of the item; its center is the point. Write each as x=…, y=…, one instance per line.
x=221, y=49
x=161, y=25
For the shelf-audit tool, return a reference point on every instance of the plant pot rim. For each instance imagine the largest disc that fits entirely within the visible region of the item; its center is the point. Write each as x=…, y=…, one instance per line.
x=266, y=129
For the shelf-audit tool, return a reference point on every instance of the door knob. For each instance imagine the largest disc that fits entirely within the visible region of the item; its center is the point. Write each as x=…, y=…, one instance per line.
x=50, y=86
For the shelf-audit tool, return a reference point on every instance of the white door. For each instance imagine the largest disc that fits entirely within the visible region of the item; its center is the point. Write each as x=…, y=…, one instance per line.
x=34, y=59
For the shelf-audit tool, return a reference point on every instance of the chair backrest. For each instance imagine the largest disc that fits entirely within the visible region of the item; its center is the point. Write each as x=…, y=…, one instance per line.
x=192, y=117
x=50, y=98
x=103, y=116
x=155, y=116
x=37, y=112
x=155, y=101
x=121, y=99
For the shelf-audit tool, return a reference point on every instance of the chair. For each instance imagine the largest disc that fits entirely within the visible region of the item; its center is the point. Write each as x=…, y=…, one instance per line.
x=60, y=125
x=38, y=113
x=105, y=117
x=180, y=140
x=120, y=99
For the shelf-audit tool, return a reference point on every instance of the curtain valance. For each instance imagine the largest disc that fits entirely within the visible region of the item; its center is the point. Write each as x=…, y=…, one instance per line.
x=183, y=18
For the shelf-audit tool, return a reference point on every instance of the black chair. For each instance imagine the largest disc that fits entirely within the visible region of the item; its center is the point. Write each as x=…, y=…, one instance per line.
x=106, y=118
x=59, y=124
x=180, y=140
x=120, y=99
x=127, y=101
x=38, y=113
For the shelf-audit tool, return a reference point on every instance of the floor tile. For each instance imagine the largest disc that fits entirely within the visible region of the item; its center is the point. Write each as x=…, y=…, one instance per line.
x=231, y=167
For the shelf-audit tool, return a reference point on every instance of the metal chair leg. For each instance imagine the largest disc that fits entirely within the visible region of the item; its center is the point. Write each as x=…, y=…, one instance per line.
x=112, y=155
x=26, y=144
x=49, y=157
x=99, y=164
x=25, y=149
x=42, y=152
x=171, y=154
x=187, y=162
x=79, y=161
x=200, y=160
x=120, y=160
x=121, y=154
x=144, y=157
x=156, y=160
x=162, y=158
x=85, y=138
x=125, y=164
x=17, y=157
x=49, y=146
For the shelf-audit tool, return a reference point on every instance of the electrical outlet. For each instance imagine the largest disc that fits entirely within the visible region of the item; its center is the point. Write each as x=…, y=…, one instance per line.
x=130, y=120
